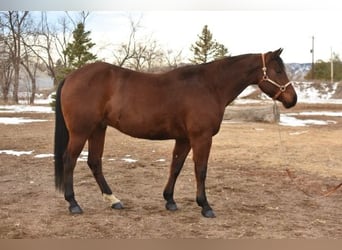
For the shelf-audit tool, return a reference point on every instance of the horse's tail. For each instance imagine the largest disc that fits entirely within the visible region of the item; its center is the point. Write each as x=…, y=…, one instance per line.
x=61, y=140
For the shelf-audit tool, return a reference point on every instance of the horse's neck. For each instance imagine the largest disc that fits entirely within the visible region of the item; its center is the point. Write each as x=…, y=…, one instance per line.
x=236, y=76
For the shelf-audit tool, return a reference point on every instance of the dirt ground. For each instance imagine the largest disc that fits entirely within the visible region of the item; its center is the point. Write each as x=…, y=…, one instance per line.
x=247, y=185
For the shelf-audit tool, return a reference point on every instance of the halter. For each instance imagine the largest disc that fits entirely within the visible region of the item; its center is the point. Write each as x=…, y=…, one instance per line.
x=282, y=88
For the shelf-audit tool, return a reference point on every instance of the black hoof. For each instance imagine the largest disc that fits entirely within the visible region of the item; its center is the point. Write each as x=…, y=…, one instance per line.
x=171, y=206
x=117, y=205
x=75, y=210
x=208, y=213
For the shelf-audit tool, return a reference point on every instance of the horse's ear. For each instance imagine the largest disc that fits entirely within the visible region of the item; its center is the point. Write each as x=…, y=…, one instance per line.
x=277, y=52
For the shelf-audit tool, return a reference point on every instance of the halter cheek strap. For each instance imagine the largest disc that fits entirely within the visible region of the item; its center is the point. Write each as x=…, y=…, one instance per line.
x=282, y=88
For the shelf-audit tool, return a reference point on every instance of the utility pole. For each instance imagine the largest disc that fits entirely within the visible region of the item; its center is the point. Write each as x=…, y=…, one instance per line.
x=331, y=65
x=313, y=58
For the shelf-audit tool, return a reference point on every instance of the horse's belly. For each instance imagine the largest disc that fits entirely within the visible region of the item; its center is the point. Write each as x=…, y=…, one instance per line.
x=143, y=132
x=152, y=128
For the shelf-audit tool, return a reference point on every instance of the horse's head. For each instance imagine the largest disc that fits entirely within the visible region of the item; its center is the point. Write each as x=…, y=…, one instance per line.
x=274, y=81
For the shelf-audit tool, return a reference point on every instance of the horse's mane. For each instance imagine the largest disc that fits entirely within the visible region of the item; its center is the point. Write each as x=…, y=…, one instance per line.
x=191, y=69
x=198, y=67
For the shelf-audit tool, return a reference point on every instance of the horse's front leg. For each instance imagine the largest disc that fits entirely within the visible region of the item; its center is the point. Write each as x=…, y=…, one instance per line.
x=180, y=152
x=201, y=149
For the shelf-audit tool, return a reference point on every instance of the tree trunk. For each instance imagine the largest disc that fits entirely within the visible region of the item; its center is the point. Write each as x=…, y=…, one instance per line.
x=6, y=79
x=5, y=91
x=16, y=25
x=16, y=83
x=33, y=90
x=32, y=76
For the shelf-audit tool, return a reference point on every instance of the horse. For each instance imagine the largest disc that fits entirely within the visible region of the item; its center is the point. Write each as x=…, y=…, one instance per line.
x=185, y=104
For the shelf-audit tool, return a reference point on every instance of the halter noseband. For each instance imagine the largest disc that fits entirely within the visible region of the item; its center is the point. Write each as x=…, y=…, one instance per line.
x=282, y=88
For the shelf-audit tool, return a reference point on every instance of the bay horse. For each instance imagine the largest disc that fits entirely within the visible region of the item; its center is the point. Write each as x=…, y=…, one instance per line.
x=185, y=104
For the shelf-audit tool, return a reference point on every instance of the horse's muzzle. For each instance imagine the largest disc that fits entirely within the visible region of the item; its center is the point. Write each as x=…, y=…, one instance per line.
x=290, y=103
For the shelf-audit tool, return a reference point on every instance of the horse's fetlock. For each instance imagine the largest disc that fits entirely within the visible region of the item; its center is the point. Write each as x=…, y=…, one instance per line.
x=69, y=197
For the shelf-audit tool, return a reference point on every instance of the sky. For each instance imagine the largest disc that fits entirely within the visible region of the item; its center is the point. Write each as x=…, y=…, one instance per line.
x=240, y=31
x=242, y=26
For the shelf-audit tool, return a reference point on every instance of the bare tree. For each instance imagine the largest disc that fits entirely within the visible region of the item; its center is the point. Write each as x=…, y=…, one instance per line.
x=143, y=54
x=30, y=64
x=81, y=17
x=126, y=51
x=45, y=42
x=62, y=38
x=147, y=56
x=50, y=40
x=28, y=42
x=41, y=45
x=173, y=59
x=14, y=23
x=6, y=69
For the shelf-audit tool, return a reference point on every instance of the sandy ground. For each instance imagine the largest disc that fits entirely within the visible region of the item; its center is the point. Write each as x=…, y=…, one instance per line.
x=247, y=185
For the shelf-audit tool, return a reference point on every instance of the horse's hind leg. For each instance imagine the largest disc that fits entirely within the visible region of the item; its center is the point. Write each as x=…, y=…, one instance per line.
x=180, y=152
x=95, y=147
x=75, y=146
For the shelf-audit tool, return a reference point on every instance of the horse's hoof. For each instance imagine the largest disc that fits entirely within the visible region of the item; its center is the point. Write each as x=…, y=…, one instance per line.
x=75, y=210
x=171, y=206
x=208, y=214
x=117, y=205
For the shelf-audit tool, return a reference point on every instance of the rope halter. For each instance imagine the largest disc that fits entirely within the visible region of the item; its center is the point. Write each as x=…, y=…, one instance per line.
x=282, y=88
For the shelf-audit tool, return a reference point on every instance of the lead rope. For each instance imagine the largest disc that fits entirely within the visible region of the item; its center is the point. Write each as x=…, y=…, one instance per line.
x=284, y=160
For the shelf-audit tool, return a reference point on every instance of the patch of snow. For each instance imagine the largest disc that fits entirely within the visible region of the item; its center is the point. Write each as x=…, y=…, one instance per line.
x=247, y=91
x=18, y=120
x=16, y=153
x=43, y=155
x=83, y=156
x=25, y=108
x=322, y=113
x=46, y=101
x=84, y=153
x=309, y=92
x=129, y=160
x=287, y=120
